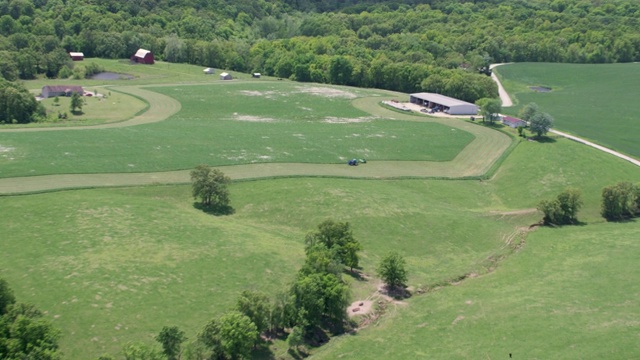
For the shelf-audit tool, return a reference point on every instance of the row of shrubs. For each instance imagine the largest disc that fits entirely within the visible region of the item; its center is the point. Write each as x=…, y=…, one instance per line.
x=619, y=202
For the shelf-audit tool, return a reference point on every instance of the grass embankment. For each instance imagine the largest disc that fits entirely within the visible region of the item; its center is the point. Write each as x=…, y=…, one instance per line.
x=597, y=102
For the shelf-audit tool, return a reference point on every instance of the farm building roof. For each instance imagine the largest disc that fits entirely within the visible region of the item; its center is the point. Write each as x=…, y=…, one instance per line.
x=76, y=54
x=142, y=53
x=440, y=99
x=511, y=120
x=63, y=88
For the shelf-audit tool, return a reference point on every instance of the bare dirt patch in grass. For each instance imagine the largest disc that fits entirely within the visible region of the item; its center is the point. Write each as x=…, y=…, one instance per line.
x=361, y=307
x=327, y=92
x=337, y=120
x=266, y=94
x=251, y=118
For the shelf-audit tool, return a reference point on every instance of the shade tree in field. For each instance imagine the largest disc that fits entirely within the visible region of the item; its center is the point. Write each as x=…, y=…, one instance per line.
x=231, y=336
x=562, y=210
x=541, y=123
x=528, y=111
x=17, y=105
x=338, y=238
x=211, y=187
x=620, y=201
x=171, y=339
x=76, y=103
x=489, y=108
x=392, y=270
x=6, y=296
x=257, y=307
x=24, y=331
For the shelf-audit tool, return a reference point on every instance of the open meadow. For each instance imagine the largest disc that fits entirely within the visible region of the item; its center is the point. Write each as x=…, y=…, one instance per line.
x=113, y=265
x=236, y=123
x=597, y=102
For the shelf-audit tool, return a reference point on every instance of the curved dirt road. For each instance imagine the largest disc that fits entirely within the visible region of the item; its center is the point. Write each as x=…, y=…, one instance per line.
x=160, y=107
x=506, y=102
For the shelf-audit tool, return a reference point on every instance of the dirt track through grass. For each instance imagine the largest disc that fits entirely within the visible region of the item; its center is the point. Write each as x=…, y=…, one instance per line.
x=474, y=160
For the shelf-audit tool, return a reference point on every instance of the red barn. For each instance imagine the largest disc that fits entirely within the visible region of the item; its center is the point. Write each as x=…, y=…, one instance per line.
x=76, y=56
x=143, y=56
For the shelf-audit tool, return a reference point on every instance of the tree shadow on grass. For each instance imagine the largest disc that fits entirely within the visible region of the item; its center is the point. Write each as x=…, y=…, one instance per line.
x=77, y=112
x=396, y=292
x=215, y=210
x=297, y=354
x=356, y=274
x=262, y=351
x=543, y=139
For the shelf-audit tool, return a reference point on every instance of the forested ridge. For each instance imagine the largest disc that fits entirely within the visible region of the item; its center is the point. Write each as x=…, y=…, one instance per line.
x=408, y=46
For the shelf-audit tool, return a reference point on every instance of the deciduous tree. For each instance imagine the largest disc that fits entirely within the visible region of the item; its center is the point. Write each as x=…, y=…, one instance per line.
x=620, y=201
x=171, y=339
x=210, y=186
x=338, y=238
x=489, y=108
x=541, y=123
x=392, y=270
x=231, y=336
x=76, y=102
x=563, y=210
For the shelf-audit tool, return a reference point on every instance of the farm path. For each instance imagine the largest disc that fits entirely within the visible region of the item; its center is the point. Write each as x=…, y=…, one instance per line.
x=506, y=102
x=474, y=160
x=504, y=96
x=160, y=108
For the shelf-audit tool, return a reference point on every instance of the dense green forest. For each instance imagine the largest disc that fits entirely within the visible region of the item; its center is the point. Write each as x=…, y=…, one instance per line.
x=412, y=45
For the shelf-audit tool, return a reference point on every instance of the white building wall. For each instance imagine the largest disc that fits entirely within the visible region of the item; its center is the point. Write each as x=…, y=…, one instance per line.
x=463, y=109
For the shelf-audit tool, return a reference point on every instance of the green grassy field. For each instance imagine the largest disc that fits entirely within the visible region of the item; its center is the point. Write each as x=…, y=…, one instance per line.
x=232, y=124
x=112, y=265
x=571, y=293
x=598, y=102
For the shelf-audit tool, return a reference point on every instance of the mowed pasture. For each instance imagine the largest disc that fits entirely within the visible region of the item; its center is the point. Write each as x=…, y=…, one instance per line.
x=235, y=123
x=597, y=102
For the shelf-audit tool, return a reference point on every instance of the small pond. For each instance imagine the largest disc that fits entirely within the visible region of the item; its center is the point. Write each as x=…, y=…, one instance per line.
x=540, y=88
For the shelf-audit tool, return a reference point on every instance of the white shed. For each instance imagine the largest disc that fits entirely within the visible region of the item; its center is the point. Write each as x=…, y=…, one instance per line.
x=445, y=104
x=209, y=71
x=225, y=76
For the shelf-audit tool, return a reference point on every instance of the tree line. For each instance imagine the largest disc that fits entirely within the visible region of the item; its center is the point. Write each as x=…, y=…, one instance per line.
x=407, y=46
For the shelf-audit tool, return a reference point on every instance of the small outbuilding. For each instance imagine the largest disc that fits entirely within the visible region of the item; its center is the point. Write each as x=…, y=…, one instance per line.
x=513, y=122
x=143, y=56
x=449, y=105
x=49, y=91
x=209, y=71
x=256, y=75
x=225, y=76
x=76, y=56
